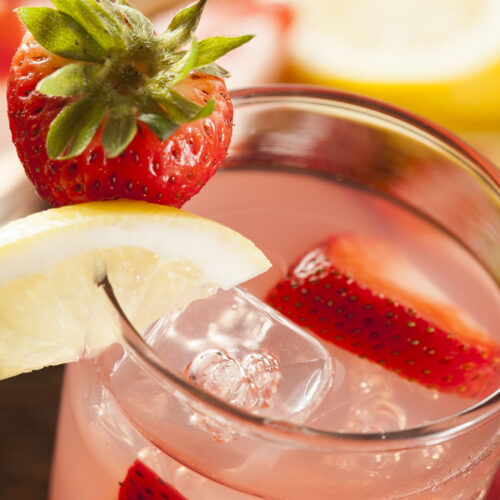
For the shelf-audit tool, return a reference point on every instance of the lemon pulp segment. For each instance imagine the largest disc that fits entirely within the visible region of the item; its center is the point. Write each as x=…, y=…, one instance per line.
x=157, y=259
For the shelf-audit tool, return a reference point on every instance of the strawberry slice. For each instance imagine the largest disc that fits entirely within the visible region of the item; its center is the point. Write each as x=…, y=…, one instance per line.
x=380, y=266
x=142, y=483
x=343, y=299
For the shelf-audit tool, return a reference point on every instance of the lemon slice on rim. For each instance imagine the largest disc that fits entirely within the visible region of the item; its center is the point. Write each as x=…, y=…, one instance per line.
x=440, y=58
x=157, y=259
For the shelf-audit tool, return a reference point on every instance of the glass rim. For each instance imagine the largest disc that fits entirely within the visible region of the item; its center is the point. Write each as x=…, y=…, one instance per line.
x=434, y=432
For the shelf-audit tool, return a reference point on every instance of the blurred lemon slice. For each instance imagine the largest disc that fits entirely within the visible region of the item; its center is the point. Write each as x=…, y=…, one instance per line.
x=157, y=259
x=438, y=57
x=395, y=41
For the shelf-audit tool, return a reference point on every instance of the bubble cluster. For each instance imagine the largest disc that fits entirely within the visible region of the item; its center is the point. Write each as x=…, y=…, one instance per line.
x=248, y=384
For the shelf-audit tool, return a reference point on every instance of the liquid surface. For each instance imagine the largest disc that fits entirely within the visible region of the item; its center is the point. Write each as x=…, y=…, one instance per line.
x=202, y=456
x=287, y=214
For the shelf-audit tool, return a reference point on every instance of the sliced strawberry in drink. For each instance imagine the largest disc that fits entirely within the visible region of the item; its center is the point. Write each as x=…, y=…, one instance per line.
x=380, y=266
x=142, y=483
x=339, y=291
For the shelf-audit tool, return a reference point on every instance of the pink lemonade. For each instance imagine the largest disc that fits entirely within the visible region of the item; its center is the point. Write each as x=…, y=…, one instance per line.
x=286, y=213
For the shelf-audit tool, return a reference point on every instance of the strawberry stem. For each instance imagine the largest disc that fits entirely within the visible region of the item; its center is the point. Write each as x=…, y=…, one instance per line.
x=119, y=68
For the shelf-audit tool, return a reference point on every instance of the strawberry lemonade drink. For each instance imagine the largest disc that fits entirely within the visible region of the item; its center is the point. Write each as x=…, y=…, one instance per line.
x=315, y=176
x=363, y=363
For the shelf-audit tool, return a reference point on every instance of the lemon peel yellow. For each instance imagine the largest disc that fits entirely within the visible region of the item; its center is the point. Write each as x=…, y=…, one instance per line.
x=439, y=58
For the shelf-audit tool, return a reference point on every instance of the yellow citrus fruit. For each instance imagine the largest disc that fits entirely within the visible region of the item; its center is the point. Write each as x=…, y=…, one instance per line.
x=156, y=258
x=439, y=58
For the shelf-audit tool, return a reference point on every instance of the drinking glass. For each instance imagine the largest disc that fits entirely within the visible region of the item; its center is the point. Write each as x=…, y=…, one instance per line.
x=127, y=405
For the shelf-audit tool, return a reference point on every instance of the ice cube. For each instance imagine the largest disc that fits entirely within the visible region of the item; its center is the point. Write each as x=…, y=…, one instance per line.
x=247, y=384
x=240, y=350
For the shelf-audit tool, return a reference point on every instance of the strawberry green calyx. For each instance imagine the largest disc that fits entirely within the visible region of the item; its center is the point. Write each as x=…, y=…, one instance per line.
x=120, y=72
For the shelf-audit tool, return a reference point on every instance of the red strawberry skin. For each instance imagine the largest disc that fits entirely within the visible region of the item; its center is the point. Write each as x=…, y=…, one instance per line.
x=327, y=300
x=169, y=172
x=142, y=483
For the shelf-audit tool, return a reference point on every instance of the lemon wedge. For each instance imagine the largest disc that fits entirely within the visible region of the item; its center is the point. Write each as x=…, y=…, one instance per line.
x=157, y=259
x=440, y=58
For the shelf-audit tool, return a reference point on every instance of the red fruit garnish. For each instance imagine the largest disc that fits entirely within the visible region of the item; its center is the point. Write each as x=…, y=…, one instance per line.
x=327, y=295
x=105, y=108
x=12, y=32
x=142, y=483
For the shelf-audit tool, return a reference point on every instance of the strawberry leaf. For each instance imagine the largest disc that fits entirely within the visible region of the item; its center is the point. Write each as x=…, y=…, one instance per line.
x=179, y=70
x=178, y=108
x=211, y=49
x=215, y=70
x=72, y=79
x=119, y=130
x=138, y=22
x=60, y=34
x=73, y=128
x=97, y=22
x=161, y=126
x=182, y=26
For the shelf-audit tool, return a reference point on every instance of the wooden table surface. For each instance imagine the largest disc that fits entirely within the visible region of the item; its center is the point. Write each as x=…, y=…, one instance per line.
x=28, y=414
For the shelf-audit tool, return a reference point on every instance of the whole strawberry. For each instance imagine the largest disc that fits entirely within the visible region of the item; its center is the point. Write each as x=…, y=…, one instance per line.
x=101, y=107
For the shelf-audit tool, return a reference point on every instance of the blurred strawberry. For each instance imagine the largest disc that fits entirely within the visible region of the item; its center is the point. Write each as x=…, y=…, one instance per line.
x=12, y=32
x=494, y=492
